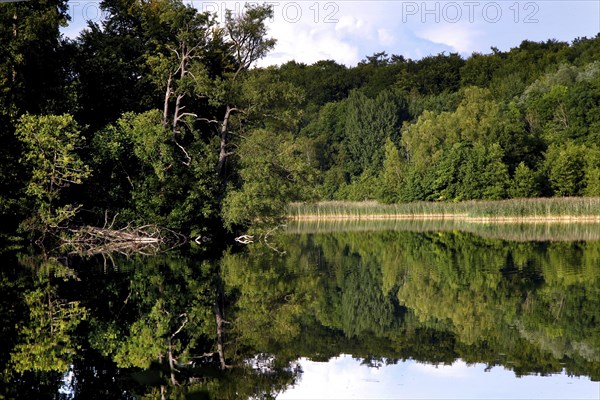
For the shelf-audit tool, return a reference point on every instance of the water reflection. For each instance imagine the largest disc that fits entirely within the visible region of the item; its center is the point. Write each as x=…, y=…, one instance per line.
x=344, y=377
x=520, y=232
x=178, y=325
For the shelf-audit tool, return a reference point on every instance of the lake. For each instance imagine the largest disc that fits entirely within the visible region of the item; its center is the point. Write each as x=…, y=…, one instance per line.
x=318, y=310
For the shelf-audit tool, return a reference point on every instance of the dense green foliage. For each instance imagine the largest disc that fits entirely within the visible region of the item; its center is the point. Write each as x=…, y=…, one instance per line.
x=158, y=115
x=50, y=145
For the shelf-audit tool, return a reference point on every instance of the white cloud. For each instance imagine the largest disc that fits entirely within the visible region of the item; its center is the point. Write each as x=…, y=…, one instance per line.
x=461, y=38
x=349, y=25
x=341, y=33
x=309, y=43
x=385, y=37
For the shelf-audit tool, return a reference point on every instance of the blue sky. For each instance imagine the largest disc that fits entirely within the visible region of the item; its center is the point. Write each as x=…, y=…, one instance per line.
x=347, y=31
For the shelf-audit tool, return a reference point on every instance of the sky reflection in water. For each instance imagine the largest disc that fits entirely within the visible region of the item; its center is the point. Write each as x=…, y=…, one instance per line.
x=346, y=378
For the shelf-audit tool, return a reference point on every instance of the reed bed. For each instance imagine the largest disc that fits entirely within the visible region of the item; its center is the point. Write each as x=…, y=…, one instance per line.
x=523, y=210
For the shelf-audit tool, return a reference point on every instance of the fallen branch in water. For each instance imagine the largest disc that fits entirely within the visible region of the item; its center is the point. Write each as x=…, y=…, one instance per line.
x=142, y=234
x=145, y=239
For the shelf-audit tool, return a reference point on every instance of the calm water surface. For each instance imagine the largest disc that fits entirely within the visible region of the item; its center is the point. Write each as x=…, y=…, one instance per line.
x=318, y=312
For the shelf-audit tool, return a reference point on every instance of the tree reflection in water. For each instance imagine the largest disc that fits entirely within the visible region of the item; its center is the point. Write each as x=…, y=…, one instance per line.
x=185, y=326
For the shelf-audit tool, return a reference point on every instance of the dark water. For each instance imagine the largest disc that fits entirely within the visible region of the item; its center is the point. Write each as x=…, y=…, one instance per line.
x=360, y=313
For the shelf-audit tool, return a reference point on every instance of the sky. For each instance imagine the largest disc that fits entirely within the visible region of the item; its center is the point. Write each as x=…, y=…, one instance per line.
x=345, y=378
x=347, y=31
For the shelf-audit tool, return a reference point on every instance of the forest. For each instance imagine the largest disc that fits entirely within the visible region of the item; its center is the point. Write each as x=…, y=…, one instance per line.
x=158, y=116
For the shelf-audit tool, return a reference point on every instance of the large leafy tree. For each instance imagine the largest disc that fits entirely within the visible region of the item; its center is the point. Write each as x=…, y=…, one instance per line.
x=393, y=174
x=159, y=163
x=524, y=182
x=275, y=168
x=247, y=41
x=565, y=169
x=471, y=172
x=148, y=179
x=369, y=122
x=51, y=143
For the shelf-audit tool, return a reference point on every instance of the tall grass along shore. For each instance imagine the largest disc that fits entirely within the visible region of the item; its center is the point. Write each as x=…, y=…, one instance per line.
x=556, y=209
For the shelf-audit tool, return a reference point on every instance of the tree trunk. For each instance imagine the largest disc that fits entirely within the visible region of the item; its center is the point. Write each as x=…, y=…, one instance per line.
x=177, y=115
x=182, y=73
x=166, y=105
x=223, y=154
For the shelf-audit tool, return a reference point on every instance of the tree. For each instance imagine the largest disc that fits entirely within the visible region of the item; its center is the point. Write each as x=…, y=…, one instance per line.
x=159, y=166
x=484, y=176
x=479, y=69
x=32, y=70
x=324, y=81
x=144, y=177
x=565, y=169
x=563, y=105
x=431, y=74
x=393, y=174
x=592, y=171
x=327, y=129
x=524, y=183
x=449, y=183
x=182, y=75
x=592, y=187
x=51, y=143
x=114, y=60
x=275, y=169
x=246, y=36
x=368, y=124
x=471, y=172
x=494, y=179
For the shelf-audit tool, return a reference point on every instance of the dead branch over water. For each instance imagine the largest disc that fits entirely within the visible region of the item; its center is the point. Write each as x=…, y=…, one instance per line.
x=144, y=239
